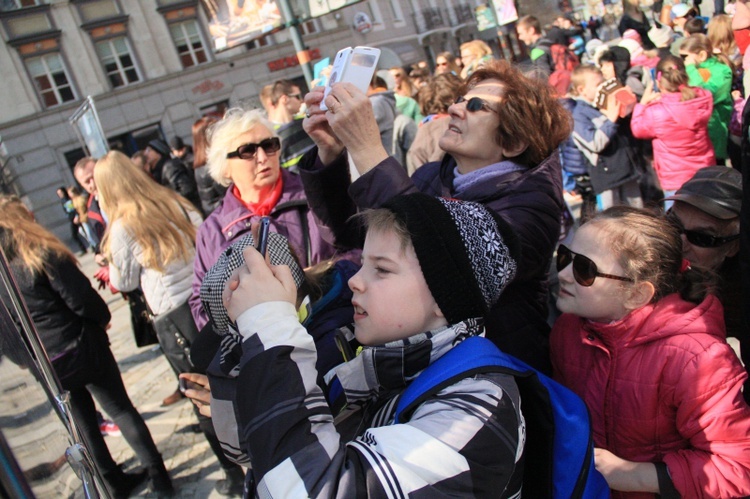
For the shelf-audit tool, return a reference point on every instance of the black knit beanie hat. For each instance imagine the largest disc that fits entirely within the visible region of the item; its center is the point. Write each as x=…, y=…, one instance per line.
x=466, y=252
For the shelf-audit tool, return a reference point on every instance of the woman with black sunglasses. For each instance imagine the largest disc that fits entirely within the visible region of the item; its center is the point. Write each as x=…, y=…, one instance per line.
x=501, y=141
x=642, y=341
x=244, y=155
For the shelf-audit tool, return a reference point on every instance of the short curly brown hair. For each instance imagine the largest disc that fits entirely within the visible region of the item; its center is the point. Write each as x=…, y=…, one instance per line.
x=529, y=112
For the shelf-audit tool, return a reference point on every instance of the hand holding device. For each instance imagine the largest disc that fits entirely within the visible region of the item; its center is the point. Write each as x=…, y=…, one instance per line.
x=352, y=65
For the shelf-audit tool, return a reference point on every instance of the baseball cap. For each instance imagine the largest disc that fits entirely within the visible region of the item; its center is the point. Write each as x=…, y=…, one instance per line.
x=717, y=190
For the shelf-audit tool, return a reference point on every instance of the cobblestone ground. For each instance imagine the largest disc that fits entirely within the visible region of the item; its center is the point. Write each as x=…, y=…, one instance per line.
x=148, y=379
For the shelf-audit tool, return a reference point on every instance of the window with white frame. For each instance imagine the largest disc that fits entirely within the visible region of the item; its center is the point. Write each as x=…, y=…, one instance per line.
x=398, y=14
x=118, y=62
x=189, y=43
x=51, y=79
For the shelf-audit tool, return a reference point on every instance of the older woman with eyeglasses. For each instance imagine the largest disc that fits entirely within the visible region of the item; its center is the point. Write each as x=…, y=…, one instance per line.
x=501, y=141
x=244, y=155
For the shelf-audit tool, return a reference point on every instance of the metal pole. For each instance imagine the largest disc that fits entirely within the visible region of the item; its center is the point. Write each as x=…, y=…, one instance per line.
x=302, y=53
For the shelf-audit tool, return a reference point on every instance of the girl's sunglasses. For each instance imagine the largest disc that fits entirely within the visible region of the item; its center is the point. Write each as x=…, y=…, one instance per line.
x=584, y=270
x=474, y=104
x=247, y=151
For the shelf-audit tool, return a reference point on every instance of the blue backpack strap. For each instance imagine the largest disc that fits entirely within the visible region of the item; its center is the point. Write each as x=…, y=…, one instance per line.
x=472, y=356
x=559, y=439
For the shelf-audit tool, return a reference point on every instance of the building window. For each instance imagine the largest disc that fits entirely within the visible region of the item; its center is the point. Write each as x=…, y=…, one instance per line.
x=117, y=61
x=98, y=9
x=398, y=14
x=189, y=42
x=51, y=79
x=7, y=5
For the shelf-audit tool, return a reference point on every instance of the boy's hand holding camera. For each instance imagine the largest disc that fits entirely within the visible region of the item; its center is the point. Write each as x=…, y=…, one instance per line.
x=257, y=282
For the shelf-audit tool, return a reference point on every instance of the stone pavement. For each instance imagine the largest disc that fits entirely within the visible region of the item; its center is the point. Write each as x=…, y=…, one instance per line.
x=148, y=379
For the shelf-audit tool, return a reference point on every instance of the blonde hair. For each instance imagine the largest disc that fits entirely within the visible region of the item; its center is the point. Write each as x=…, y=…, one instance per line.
x=580, y=74
x=222, y=135
x=721, y=35
x=477, y=47
x=155, y=216
x=21, y=237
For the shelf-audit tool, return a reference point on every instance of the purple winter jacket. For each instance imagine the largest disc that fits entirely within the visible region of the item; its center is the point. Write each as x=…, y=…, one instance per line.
x=530, y=201
x=232, y=220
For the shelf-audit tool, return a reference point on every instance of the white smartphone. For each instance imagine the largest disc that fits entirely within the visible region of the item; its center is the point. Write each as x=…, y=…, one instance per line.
x=353, y=65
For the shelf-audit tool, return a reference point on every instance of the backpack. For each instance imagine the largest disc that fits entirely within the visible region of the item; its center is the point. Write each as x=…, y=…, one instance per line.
x=564, y=62
x=559, y=451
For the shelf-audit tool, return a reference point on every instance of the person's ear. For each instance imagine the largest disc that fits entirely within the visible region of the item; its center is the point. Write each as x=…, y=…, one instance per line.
x=639, y=295
x=513, y=150
x=733, y=249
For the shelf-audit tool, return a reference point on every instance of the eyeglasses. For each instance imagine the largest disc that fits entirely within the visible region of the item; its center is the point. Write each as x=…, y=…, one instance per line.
x=475, y=104
x=247, y=151
x=584, y=269
x=295, y=96
x=700, y=239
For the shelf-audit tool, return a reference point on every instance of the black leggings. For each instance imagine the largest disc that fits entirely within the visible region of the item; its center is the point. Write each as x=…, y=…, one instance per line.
x=101, y=378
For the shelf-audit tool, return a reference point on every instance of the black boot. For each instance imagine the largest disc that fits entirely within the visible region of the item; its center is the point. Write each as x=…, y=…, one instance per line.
x=161, y=484
x=233, y=484
x=121, y=484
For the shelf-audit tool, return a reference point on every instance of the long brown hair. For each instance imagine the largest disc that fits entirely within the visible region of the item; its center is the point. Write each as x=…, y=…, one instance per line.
x=22, y=238
x=155, y=216
x=200, y=140
x=694, y=44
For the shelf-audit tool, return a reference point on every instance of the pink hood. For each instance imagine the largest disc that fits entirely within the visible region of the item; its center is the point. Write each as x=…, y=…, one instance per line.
x=679, y=130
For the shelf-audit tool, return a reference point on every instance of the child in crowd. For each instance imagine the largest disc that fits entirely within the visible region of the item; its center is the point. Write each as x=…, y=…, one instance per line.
x=431, y=269
x=607, y=152
x=712, y=72
x=643, y=344
x=676, y=118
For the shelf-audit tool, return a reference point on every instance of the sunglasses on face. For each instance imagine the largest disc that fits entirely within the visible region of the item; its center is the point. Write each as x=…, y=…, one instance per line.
x=700, y=239
x=295, y=96
x=247, y=151
x=474, y=104
x=584, y=269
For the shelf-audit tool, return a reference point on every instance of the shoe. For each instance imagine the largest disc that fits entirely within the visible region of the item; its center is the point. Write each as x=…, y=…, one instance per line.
x=172, y=399
x=122, y=485
x=161, y=484
x=109, y=428
x=233, y=484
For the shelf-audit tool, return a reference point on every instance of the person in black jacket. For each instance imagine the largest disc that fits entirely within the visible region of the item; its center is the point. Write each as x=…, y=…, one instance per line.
x=210, y=192
x=71, y=319
x=172, y=172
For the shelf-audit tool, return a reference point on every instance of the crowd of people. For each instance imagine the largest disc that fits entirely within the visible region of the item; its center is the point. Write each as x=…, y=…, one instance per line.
x=580, y=209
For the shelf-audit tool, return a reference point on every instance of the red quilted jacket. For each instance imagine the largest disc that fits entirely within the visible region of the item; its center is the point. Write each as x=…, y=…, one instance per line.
x=663, y=385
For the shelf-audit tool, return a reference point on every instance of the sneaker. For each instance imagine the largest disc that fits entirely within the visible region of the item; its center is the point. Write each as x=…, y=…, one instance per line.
x=108, y=427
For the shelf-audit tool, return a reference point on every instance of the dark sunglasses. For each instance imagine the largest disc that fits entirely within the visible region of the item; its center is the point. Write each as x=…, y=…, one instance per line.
x=247, y=151
x=584, y=270
x=700, y=239
x=474, y=104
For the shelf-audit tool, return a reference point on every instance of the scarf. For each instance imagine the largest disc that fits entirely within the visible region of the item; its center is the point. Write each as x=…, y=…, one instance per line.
x=266, y=205
x=464, y=182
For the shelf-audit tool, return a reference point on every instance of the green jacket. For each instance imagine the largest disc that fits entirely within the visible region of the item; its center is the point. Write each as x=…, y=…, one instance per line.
x=719, y=83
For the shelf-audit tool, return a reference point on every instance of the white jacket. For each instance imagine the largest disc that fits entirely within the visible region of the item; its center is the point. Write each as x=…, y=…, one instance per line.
x=163, y=290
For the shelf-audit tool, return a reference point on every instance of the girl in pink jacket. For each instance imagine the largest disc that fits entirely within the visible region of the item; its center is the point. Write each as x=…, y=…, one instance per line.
x=676, y=118
x=644, y=345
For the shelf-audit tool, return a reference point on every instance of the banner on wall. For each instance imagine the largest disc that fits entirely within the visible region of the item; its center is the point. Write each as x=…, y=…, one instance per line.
x=236, y=22
x=89, y=129
x=485, y=17
x=505, y=12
